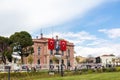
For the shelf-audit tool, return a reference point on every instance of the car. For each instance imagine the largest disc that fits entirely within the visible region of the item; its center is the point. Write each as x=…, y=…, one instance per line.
x=25, y=68
x=16, y=67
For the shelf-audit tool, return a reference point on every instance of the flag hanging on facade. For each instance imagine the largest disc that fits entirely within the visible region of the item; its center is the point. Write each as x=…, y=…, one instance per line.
x=63, y=45
x=51, y=44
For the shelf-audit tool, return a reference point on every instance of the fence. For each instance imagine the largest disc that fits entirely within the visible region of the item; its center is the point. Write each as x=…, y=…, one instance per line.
x=88, y=65
x=26, y=67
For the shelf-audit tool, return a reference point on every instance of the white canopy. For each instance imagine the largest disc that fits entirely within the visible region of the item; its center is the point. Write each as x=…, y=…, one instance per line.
x=16, y=55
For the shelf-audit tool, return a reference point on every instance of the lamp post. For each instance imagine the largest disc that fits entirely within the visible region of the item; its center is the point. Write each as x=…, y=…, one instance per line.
x=106, y=63
x=9, y=72
x=62, y=73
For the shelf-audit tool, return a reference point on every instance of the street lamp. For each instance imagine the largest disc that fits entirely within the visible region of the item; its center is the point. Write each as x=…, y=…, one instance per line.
x=106, y=63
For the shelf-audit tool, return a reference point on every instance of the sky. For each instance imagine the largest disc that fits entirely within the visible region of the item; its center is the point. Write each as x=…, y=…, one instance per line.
x=92, y=25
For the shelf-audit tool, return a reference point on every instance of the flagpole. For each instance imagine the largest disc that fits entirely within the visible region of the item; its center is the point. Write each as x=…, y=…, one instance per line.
x=62, y=64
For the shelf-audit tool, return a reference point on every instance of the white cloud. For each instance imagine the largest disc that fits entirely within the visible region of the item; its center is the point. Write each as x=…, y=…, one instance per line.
x=96, y=46
x=76, y=38
x=98, y=51
x=112, y=33
x=32, y=14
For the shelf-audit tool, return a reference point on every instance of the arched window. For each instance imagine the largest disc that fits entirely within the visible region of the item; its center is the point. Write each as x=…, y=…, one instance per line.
x=38, y=50
x=38, y=61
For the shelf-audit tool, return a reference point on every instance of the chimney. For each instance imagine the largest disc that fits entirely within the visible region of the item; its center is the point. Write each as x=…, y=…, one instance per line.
x=36, y=37
x=41, y=35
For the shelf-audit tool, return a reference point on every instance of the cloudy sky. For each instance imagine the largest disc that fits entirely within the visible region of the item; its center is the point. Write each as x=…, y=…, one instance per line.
x=92, y=25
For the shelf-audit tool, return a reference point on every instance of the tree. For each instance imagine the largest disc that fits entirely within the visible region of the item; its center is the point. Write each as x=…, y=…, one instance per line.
x=5, y=50
x=23, y=39
x=77, y=59
x=90, y=59
x=55, y=59
x=30, y=59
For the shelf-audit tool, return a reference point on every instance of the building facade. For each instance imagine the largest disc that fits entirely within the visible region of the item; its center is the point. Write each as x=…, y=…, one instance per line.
x=43, y=56
x=108, y=60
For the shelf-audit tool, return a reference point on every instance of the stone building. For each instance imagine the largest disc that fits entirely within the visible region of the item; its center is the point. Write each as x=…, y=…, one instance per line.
x=43, y=56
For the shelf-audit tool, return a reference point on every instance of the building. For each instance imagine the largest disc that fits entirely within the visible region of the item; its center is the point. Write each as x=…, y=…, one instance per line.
x=44, y=57
x=108, y=60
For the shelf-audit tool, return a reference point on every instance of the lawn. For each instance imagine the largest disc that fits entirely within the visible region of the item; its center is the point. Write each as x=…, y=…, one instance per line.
x=98, y=76
x=45, y=76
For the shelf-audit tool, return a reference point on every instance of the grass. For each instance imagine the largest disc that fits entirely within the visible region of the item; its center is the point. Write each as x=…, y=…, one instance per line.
x=97, y=76
x=45, y=76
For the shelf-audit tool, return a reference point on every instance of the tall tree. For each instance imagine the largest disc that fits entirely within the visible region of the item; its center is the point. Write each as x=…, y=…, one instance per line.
x=5, y=50
x=24, y=40
x=77, y=59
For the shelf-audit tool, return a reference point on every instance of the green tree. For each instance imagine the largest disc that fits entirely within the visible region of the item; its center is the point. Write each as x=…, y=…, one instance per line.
x=23, y=39
x=55, y=60
x=5, y=50
x=30, y=59
x=77, y=59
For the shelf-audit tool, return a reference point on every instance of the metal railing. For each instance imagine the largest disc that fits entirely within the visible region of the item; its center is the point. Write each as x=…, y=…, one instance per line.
x=26, y=67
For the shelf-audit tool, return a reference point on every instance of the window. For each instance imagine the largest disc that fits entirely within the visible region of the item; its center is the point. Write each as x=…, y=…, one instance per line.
x=51, y=52
x=51, y=62
x=68, y=52
x=68, y=63
x=38, y=61
x=38, y=50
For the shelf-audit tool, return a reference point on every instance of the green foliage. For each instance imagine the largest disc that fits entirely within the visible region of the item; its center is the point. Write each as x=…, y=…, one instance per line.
x=46, y=76
x=109, y=69
x=5, y=50
x=99, y=70
x=23, y=37
x=55, y=60
x=30, y=59
x=117, y=68
x=77, y=59
x=8, y=53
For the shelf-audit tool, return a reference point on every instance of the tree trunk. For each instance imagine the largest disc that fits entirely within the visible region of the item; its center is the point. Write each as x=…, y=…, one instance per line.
x=3, y=59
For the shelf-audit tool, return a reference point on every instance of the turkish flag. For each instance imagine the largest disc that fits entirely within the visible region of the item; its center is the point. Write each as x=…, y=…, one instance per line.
x=63, y=45
x=51, y=44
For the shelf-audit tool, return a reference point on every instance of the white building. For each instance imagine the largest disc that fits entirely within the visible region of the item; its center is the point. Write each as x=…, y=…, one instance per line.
x=108, y=60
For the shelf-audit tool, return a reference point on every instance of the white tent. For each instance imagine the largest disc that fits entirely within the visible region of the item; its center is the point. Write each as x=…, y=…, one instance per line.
x=16, y=55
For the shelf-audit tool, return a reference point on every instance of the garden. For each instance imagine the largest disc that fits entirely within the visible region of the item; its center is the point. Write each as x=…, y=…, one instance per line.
x=84, y=74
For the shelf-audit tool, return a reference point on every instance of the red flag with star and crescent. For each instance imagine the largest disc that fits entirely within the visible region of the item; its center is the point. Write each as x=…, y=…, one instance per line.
x=63, y=45
x=51, y=44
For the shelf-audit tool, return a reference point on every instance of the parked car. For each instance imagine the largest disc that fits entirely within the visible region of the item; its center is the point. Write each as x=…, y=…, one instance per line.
x=16, y=67
x=25, y=68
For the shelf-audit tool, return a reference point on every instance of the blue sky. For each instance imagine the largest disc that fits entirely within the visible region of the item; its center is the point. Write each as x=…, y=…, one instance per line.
x=92, y=25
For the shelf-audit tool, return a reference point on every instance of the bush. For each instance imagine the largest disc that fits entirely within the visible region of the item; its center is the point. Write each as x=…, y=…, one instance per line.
x=117, y=68
x=99, y=70
x=109, y=69
x=84, y=70
x=90, y=71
